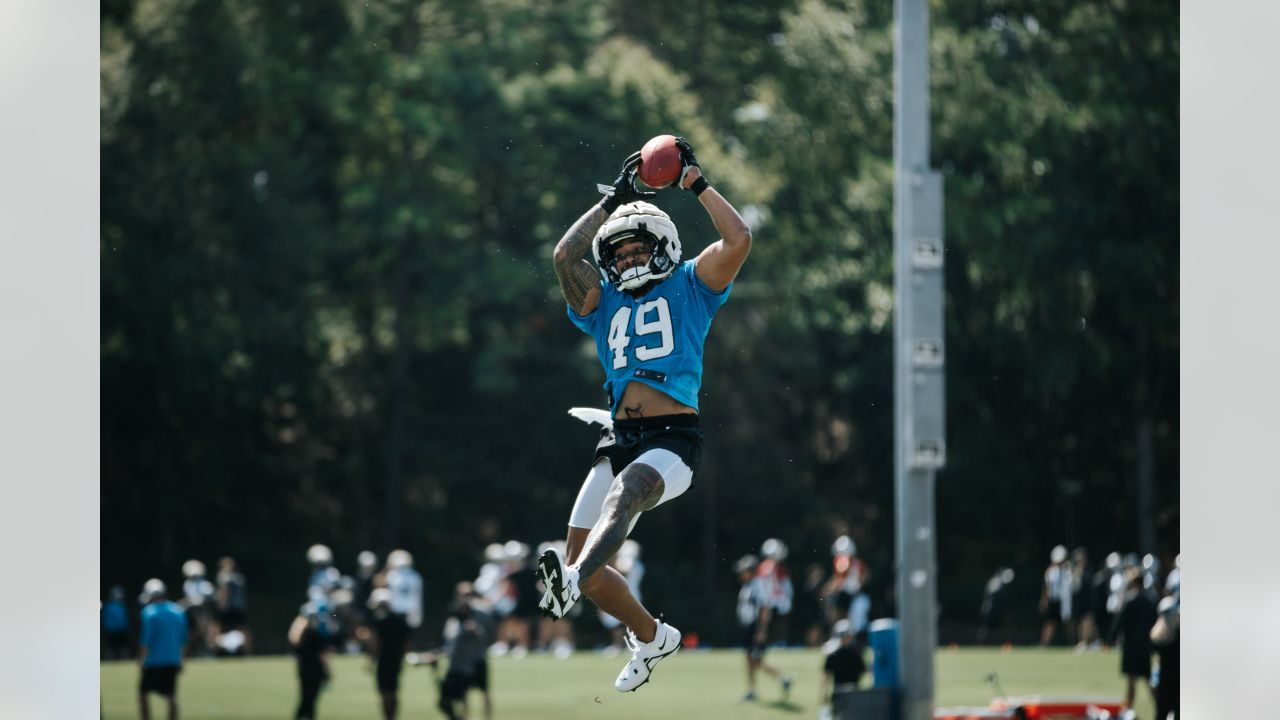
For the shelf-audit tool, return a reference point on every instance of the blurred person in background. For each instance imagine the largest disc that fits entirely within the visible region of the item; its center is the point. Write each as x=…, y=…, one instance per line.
x=628, y=563
x=1164, y=638
x=995, y=603
x=1082, y=618
x=848, y=575
x=348, y=617
x=405, y=585
x=198, y=596
x=519, y=629
x=366, y=576
x=843, y=665
x=620, y=271
x=162, y=646
x=467, y=635
x=1099, y=594
x=811, y=605
x=386, y=645
x=117, y=634
x=1055, y=596
x=323, y=577
x=1133, y=626
x=232, y=605
x=312, y=637
x=1119, y=586
x=776, y=576
x=1151, y=576
x=859, y=616
x=491, y=582
x=755, y=614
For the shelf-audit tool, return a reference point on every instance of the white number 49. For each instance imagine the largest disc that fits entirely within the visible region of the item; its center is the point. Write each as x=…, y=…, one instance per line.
x=619, y=340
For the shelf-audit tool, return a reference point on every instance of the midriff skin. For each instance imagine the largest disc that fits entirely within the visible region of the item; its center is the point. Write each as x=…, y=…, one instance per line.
x=650, y=402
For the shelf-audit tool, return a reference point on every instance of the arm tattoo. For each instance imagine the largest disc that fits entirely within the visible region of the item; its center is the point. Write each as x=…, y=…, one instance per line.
x=576, y=274
x=637, y=489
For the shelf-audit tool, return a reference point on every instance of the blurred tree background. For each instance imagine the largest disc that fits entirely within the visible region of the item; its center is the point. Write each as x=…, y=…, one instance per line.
x=329, y=312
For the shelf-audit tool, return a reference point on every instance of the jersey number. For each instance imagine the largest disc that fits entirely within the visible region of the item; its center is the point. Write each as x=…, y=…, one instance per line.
x=619, y=340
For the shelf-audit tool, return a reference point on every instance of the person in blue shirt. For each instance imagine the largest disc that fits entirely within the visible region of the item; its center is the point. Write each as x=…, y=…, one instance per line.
x=162, y=647
x=116, y=640
x=620, y=270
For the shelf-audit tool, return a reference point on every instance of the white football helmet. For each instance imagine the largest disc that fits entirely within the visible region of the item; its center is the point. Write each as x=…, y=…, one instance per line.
x=515, y=551
x=774, y=549
x=844, y=545
x=193, y=568
x=399, y=559
x=637, y=221
x=494, y=552
x=152, y=589
x=1058, y=554
x=319, y=555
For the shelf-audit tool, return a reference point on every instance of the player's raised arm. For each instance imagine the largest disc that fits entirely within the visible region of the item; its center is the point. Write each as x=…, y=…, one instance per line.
x=718, y=265
x=579, y=280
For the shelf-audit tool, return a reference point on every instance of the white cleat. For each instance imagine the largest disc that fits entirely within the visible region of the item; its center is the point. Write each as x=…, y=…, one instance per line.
x=562, y=585
x=644, y=656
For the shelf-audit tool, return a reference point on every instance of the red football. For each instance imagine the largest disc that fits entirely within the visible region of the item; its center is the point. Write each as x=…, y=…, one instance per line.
x=660, y=162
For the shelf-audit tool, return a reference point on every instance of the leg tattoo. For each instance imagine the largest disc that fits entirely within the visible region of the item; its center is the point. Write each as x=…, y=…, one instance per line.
x=637, y=489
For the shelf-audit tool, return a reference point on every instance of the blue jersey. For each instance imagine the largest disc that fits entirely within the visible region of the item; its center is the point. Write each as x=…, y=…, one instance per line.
x=655, y=339
x=115, y=618
x=164, y=632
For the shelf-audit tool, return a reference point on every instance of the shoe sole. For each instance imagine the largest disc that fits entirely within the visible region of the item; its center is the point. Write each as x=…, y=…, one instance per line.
x=552, y=573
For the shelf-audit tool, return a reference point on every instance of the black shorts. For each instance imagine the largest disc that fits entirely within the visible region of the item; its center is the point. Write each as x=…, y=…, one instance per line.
x=1136, y=663
x=840, y=600
x=388, y=674
x=119, y=639
x=627, y=439
x=480, y=678
x=230, y=619
x=159, y=679
x=1052, y=612
x=456, y=684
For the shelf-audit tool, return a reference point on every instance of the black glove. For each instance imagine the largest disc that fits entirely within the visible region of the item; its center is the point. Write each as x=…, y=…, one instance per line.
x=688, y=160
x=624, y=188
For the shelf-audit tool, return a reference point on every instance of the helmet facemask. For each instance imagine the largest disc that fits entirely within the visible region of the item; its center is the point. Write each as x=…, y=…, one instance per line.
x=651, y=226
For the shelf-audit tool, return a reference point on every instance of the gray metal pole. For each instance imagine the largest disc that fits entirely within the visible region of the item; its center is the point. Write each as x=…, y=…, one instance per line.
x=919, y=358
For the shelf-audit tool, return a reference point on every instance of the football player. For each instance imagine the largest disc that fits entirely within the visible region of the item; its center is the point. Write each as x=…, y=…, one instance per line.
x=161, y=647
x=621, y=271
x=757, y=605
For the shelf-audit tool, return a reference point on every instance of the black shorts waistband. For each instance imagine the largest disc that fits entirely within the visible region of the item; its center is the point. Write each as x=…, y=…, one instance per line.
x=657, y=422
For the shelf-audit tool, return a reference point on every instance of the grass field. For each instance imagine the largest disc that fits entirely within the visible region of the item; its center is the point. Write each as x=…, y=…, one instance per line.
x=698, y=684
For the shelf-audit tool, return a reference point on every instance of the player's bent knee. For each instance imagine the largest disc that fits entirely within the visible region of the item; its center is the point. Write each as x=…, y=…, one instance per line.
x=641, y=487
x=675, y=474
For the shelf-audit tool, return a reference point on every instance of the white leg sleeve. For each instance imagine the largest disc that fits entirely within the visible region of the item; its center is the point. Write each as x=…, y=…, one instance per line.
x=586, y=509
x=676, y=479
x=676, y=476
